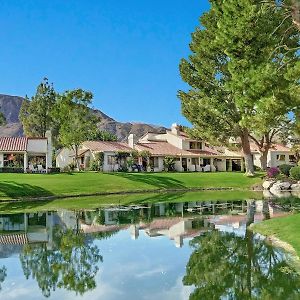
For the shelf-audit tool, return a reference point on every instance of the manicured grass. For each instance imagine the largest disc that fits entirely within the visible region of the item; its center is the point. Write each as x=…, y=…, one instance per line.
x=286, y=229
x=93, y=202
x=13, y=186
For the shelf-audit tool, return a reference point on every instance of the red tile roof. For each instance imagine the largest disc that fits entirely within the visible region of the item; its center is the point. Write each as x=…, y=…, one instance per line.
x=99, y=146
x=165, y=149
x=13, y=143
x=275, y=147
x=14, y=239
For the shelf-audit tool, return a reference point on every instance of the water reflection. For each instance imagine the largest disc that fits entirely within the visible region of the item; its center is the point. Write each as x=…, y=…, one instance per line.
x=62, y=249
x=224, y=265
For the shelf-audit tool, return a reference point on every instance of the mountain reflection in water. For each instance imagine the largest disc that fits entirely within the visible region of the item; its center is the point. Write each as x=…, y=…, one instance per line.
x=67, y=250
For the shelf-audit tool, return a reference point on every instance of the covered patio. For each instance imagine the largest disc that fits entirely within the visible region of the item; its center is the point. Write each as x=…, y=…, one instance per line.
x=28, y=155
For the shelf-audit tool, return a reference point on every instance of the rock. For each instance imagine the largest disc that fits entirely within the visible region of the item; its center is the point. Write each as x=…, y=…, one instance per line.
x=280, y=186
x=267, y=194
x=280, y=193
x=295, y=186
x=268, y=184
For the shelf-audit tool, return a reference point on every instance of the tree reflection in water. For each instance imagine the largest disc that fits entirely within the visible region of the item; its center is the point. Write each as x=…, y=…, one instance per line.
x=71, y=264
x=2, y=275
x=226, y=266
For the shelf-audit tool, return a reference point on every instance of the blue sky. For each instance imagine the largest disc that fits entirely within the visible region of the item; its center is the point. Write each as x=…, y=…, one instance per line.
x=125, y=52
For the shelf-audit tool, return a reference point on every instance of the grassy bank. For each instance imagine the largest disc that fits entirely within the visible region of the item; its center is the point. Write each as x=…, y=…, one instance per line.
x=285, y=229
x=18, y=186
x=93, y=202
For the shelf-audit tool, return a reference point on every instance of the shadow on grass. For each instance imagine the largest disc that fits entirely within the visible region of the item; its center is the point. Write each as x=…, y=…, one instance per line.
x=21, y=207
x=13, y=190
x=162, y=182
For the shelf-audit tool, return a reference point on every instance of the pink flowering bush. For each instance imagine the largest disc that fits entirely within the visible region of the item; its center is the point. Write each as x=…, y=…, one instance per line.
x=273, y=172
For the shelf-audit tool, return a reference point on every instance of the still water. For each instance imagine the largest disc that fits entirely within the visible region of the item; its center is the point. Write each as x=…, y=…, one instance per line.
x=190, y=250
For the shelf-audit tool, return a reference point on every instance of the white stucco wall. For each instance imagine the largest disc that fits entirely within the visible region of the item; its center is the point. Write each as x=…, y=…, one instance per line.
x=37, y=146
x=174, y=140
x=221, y=165
x=108, y=167
x=256, y=160
x=1, y=160
x=272, y=158
x=63, y=158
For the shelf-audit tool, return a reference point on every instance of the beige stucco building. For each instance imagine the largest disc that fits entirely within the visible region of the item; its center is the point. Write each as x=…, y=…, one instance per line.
x=28, y=154
x=189, y=154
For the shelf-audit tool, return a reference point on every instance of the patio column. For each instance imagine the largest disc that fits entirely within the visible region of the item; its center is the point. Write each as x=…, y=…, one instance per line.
x=47, y=165
x=242, y=165
x=25, y=162
x=212, y=164
x=230, y=165
x=181, y=168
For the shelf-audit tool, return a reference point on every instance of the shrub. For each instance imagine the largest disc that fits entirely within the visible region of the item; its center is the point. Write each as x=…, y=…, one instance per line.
x=54, y=170
x=72, y=166
x=295, y=173
x=169, y=163
x=94, y=165
x=123, y=169
x=285, y=169
x=273, y=172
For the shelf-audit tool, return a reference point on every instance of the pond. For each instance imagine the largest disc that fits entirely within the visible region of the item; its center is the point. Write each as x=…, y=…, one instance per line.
x=182, y=250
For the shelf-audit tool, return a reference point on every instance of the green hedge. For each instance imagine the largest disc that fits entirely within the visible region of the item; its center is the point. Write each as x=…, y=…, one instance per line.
x=295, y=173
x=285, y=169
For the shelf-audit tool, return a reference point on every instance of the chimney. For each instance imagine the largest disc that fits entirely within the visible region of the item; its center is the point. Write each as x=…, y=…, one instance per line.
x=175, y=129
x=131, y=140
x=48, y=135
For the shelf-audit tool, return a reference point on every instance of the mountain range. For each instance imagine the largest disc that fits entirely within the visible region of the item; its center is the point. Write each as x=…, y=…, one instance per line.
x=10, y=107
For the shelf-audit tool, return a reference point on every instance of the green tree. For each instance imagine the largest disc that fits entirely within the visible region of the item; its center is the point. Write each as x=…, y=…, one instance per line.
x=72, y=265
x=226, y=266
x=3, y=275
x=237, y=74
x=291, y=10
x=76, y=120
x=36, y=114
x=102, y=135
x=269, y=130
x=2, y=119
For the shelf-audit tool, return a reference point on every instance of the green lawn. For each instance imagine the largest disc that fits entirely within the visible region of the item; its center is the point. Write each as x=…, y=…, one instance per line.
x=13, y=186
x=286, y=229
x=93, y=202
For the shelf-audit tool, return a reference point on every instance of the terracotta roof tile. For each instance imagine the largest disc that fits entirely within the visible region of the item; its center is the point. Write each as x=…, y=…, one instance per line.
x=275, y=147
x=14, y=239
x=100, y=146
x=13, y=143
x=164, y=149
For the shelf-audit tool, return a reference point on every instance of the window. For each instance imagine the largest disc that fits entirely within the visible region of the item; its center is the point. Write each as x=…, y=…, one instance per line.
x=195, y=145
x=111, y=160
x=13, y=160
x=195, y=161
x=155, y=162
x=292, y=158
x=280, y=157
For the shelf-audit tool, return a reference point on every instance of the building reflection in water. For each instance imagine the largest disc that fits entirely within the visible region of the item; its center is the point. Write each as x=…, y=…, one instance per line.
x=176, y=221
x=64, y=238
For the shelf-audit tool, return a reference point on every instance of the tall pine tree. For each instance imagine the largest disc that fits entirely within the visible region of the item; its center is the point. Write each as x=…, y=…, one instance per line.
x=36, y=114
x=237, y=73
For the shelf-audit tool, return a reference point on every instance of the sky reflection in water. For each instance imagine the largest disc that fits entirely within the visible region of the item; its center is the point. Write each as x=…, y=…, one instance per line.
x=191, y=250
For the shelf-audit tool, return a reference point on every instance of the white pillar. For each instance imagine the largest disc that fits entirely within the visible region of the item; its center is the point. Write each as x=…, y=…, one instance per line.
x=230, y=165
x=47, y=166
x=25, y=162
x=242, y=165
x=212, y=167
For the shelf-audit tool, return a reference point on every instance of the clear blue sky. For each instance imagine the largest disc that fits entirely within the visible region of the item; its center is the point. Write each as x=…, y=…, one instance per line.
x=125, y=51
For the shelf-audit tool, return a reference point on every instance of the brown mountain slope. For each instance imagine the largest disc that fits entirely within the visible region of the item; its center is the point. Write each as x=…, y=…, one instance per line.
x=10, y=107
